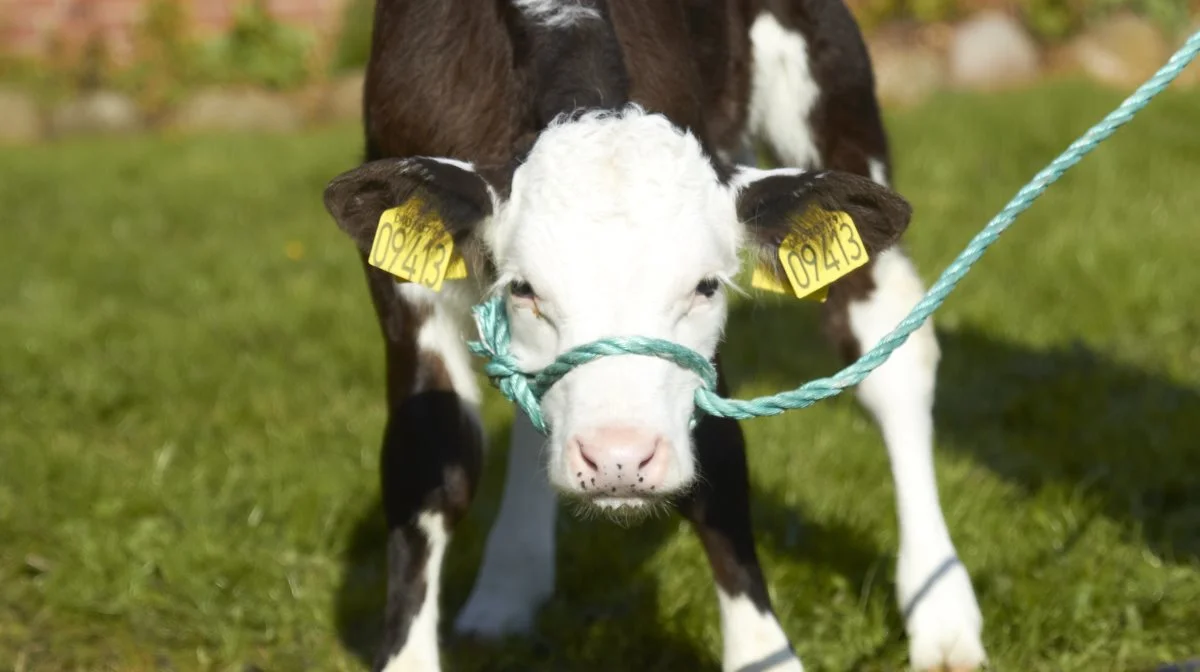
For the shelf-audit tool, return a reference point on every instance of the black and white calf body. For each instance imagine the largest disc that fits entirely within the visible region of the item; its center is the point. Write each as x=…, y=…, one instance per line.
x=583, y=156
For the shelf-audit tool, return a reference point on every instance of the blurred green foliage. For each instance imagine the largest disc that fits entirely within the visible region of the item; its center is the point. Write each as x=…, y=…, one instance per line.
x=1171, y=15
x=1053, y=19
x=257, y=49
x=1050, y=20
x=354, y=44
x=165, y=65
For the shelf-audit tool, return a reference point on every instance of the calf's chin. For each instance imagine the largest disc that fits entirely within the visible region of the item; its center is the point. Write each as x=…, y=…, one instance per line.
x=622, y=510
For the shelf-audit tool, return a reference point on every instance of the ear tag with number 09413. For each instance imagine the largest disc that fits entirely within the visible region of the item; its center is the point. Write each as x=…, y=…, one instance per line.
x=826, y=247
x=412, y=244
x=765, y=279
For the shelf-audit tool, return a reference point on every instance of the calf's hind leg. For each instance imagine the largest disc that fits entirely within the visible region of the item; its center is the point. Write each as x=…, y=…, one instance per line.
x=517, y=573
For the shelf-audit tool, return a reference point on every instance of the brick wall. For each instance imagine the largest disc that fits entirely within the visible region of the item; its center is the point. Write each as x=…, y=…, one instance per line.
x=33, y=27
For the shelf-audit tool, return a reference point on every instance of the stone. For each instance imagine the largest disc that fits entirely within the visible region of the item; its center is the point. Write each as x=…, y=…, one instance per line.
x=345, y=98
x=97, y=113
x=1058, y=61
x=1123, y=51
x=992, y=50
x=337, y=100
x=908, y=66
x=20, y=119
x=309, y=102
x=1191, y=75
x=235, y=110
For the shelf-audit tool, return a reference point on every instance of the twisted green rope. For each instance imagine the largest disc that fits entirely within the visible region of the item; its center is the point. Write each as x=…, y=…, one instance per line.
x=526, y=388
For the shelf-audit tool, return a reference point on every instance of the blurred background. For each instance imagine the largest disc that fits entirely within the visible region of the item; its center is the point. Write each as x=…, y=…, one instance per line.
x=122, y=65
x=191, y=395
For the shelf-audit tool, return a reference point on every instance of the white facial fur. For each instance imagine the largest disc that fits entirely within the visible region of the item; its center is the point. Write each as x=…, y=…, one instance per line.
x=614, y=219
x=557, y=13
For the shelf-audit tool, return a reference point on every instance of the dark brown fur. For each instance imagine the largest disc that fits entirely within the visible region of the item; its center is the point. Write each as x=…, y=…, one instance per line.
x=847, y=126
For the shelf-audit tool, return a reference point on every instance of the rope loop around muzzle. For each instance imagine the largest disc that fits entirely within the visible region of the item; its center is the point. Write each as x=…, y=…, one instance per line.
x=526, y=388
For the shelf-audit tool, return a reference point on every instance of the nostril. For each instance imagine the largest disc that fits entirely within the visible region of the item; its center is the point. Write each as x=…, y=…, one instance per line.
x=658, y=441
x=591, y=464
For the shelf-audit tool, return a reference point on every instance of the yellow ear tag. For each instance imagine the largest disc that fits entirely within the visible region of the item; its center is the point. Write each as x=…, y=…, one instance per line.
x=457, y=270
x=764, y=279
x=823, y=249
x=412, y=244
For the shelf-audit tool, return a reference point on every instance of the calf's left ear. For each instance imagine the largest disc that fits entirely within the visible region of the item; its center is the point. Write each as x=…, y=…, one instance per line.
x=774, y=204
x=449, y=192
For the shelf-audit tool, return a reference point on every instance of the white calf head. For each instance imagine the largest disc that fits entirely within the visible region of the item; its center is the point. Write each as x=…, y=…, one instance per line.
x=616, y=224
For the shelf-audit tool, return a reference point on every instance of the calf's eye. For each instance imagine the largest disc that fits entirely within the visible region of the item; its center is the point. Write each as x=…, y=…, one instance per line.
x=521, y=289
x=707, y=287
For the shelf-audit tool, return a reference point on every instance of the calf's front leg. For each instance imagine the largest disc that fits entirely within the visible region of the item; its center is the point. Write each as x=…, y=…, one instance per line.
x=718, y=508
x=430, y=462
x=936, y=598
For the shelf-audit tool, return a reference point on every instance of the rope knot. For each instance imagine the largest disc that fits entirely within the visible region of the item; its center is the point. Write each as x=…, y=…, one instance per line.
x=502, y=368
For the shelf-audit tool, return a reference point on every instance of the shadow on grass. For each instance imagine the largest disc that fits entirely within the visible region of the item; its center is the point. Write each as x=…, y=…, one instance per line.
x=1071, y=416
x=1120, y=436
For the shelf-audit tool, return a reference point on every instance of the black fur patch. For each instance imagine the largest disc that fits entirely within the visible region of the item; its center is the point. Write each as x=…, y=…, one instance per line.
x=358, y=197
x=577, y=66
x=773, y=207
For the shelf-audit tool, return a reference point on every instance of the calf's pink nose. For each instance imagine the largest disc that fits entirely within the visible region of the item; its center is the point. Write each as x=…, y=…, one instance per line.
x=619, y=461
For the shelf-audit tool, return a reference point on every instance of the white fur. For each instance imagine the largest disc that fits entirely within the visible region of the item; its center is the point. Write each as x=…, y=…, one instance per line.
x=614, y=219
x=945, y=624
x=754, y=641
x=465, y=165
x=556, y=13
x=444, y=331
x=517, y=574
x=745, y=175
x=420, y=650
x=877, y=170
x=783, y=91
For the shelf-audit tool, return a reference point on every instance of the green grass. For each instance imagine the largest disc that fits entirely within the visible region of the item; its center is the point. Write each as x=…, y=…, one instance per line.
x=189, y=419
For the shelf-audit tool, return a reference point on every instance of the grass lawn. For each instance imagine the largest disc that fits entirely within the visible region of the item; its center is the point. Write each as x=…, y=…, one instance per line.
x=191, y=403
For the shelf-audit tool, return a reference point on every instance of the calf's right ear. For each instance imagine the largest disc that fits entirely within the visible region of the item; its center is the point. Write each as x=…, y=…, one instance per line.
x=450, y=191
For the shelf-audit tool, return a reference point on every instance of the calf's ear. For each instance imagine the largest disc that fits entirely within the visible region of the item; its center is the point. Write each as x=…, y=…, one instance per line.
x=450, y=191
x=776, y=203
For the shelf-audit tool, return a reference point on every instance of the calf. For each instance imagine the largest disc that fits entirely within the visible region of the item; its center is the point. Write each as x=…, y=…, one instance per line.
x=583, y=157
